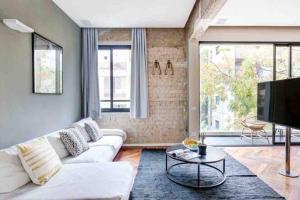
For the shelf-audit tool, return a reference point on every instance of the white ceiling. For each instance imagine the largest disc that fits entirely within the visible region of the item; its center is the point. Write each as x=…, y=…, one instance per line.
x=259, y=13
x=128, y=13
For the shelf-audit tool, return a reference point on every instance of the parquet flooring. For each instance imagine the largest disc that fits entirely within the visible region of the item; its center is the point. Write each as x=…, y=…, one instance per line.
x=262, y=161
x=265, y=163
x=131, y=155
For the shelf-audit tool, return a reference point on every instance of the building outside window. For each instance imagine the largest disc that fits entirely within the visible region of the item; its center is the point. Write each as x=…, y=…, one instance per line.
x=218, y=99
x=217, y=124
x=114, y=68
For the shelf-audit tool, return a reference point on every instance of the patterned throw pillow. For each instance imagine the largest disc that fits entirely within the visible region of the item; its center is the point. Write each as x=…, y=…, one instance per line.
x=93, y=130
x=39, y=160
x=82, y=132
x=73, y=141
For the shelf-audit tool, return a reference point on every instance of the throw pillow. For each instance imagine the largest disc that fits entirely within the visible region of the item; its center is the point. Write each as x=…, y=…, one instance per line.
x=82, y=131
x=58, y=145
x=12, y=173
x=93, y=130
x=78, y=134
x=39, y=160
x=73, y=141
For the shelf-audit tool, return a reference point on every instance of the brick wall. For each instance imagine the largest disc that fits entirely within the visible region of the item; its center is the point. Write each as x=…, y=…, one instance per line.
x=167, y=122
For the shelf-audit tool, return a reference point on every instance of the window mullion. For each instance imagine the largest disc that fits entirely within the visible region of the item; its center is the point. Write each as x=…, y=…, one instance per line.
x=290, y=62
x=111, y=79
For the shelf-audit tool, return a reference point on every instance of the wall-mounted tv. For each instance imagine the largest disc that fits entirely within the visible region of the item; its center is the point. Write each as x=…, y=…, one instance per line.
x=279, y=102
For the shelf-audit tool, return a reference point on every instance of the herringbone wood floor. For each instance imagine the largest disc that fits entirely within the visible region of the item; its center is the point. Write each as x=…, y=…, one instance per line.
x=262, y=161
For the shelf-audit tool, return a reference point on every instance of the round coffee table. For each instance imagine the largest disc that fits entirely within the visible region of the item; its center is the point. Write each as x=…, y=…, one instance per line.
x=213, y=155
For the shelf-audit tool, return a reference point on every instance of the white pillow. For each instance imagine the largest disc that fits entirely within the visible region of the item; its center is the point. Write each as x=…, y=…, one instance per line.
x=58, y=145
x=12, y=173
x=39, y=160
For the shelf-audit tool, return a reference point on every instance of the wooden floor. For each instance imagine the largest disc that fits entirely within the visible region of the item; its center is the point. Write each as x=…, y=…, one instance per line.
x=265, y=163
x=262, y=161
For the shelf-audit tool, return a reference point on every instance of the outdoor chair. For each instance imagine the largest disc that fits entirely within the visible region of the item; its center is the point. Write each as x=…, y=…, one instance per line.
x=256, y=128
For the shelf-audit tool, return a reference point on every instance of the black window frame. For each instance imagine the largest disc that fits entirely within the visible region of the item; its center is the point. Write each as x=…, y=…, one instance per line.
x=112, y=109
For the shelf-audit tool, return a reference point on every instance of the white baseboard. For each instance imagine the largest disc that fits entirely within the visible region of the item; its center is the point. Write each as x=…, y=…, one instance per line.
x=150, y=145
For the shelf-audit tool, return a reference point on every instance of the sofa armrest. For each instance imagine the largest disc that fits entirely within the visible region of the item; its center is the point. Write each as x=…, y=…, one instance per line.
x=114, y=132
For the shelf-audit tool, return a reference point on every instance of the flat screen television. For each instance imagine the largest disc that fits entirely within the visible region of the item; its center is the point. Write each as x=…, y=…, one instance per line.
x=279, y=102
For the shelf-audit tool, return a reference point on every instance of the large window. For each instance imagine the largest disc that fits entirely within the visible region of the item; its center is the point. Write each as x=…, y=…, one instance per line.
x=287, y=64
x=229, y=74
x=114, y=67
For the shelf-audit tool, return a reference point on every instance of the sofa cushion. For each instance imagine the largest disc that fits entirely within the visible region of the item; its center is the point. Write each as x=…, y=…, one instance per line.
x=82, y=121
x=12, y=173
x=94, y=154
x=39, y=160
x=57, y=144
x=114, y=132
x=59, y=147
x=114, y=141
x=109, y=181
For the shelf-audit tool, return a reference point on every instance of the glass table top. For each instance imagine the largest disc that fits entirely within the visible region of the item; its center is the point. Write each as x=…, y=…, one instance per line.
x=213, y=155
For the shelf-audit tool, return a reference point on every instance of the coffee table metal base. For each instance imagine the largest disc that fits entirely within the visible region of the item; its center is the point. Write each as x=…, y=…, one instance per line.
x=198, y=185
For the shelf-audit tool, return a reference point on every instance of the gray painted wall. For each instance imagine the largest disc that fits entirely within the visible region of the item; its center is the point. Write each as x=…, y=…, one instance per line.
x=24, y=115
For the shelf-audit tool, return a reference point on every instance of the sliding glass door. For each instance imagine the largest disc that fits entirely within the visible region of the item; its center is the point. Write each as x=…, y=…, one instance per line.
x=229, y=73
x=282, y=71
x=286, y=65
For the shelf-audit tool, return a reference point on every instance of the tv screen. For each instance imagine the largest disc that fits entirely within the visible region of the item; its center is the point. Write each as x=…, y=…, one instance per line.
x=279, y=102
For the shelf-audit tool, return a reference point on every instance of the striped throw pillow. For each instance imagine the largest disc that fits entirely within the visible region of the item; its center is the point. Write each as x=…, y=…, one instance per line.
x=82, y=131
x=93, y=130
x=39, y=160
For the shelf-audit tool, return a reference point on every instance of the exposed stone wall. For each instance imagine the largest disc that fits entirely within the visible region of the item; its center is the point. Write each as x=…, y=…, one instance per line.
x=202, y=14
x=195, y=15
x=114, y=35
x=167, y=122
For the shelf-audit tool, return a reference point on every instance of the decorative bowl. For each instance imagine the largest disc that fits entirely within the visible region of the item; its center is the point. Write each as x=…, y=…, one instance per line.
x=191, y=144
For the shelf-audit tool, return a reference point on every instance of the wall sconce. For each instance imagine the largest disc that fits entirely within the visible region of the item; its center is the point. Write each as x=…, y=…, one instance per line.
x=169, y=67
x=156, y=67
x=17, y=25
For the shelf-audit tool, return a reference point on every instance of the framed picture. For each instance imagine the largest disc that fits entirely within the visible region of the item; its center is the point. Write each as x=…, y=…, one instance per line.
x=47, y=58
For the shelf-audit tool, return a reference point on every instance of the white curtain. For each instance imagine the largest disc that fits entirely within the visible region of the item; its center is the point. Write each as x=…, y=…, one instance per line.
x=89, y=74
x=139, y=82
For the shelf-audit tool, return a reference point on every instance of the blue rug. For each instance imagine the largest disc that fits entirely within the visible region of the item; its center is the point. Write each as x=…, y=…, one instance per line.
x=151, y=182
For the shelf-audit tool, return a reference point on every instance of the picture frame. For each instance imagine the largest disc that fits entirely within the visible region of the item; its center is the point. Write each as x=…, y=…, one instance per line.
x=47, y=66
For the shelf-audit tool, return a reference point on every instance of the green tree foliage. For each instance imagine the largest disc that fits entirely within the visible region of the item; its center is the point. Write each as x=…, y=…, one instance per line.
x=237, y=83
x=243, y=90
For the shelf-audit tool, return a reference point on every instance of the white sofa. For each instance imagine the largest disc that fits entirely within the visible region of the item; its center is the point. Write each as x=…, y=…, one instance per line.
x=91, y=175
